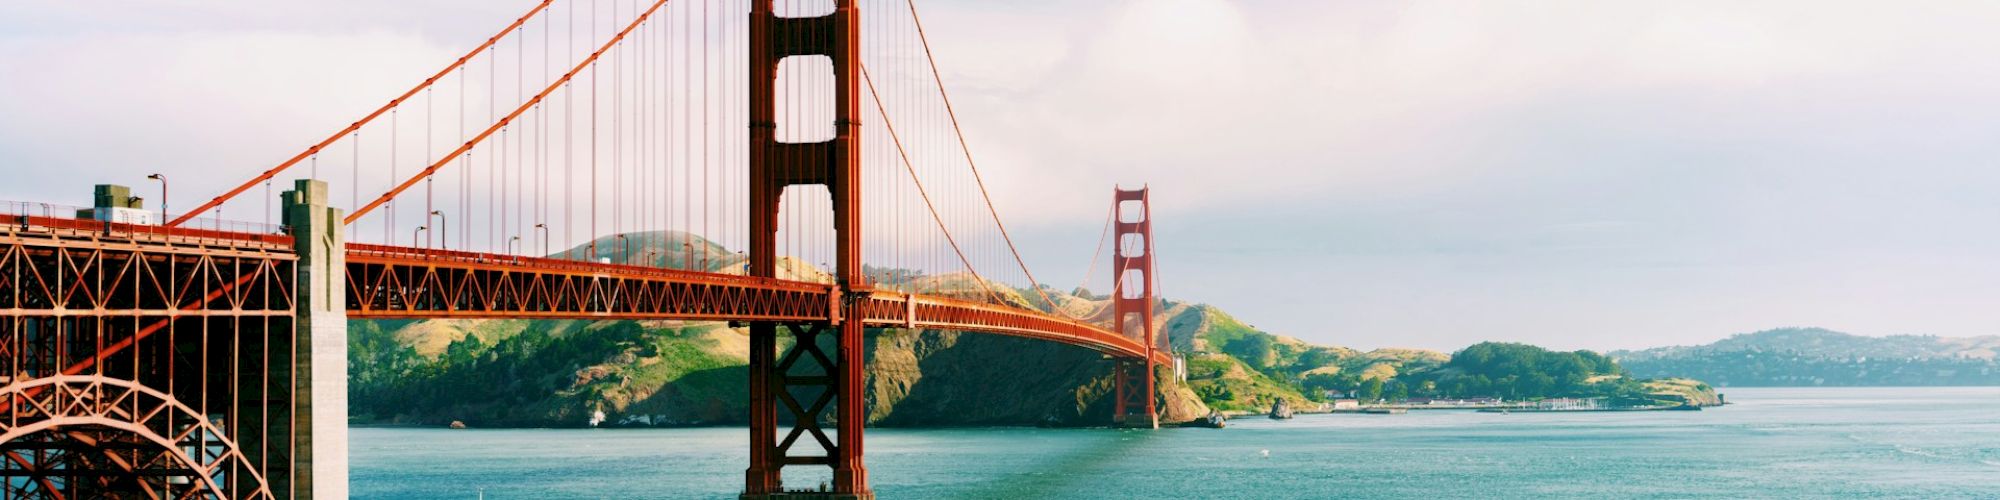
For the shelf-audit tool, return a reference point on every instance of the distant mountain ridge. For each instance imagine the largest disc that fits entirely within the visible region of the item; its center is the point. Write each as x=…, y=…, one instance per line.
x=1822, y=357
x=1824, y=343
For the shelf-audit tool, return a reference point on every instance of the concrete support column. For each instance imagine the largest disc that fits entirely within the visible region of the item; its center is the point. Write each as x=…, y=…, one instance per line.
x=320, y=398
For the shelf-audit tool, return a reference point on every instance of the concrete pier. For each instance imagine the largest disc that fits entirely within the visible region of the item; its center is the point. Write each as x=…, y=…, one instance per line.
x=321, y=399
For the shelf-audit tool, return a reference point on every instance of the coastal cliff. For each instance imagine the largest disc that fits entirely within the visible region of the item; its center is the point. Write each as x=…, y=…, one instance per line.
x=516, y=373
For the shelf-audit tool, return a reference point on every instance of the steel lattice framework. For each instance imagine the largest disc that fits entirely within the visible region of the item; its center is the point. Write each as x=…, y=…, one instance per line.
x=143, y=362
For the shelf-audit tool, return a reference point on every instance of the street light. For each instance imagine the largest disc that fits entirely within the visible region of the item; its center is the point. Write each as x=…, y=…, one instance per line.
x=544, y=228
x=163, y=195
x=624, y=247
x=419, y=232
x=443, y=228
x=510, y=244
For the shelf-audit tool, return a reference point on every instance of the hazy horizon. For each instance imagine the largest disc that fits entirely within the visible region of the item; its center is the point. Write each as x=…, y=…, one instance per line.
x=1434, y=174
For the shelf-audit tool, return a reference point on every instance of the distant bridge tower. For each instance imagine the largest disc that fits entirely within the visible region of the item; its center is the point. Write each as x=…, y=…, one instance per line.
x=806, y=381
x=1132, y=304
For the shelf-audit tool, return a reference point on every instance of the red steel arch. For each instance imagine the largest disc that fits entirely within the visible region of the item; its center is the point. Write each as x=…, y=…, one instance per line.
x=148, y=438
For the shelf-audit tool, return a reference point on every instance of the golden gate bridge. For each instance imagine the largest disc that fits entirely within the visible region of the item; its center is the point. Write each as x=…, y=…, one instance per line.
x=204, y=358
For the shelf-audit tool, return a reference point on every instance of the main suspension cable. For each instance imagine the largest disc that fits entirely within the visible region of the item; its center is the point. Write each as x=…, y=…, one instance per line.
x=502, y=122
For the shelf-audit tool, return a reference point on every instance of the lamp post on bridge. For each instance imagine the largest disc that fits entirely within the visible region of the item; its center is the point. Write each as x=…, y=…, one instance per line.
x=624, y=247
x=543, y=230
x=417, y=233
x=163, y=195
x=442, y=228
x=510, y=244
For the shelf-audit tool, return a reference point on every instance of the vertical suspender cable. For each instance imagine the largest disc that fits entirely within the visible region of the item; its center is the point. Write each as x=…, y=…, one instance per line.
x=426, y=85
x=594, y=255
x=891, y=129
x=953, y=114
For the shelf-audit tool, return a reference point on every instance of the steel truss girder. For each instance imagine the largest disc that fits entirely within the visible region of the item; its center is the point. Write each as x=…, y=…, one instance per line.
x=393, y=282
x=893, y=310
x=62, y=277
x=389, y=282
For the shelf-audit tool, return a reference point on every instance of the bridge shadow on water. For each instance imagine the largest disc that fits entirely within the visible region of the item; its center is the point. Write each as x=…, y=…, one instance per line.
x=1049, y=463
x=956, y=380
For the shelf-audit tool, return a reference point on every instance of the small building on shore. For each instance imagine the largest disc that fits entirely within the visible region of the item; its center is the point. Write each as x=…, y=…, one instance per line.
x=1570, y=404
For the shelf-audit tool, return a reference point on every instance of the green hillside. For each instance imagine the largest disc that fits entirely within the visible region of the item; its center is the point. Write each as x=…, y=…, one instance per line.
x=564, y=373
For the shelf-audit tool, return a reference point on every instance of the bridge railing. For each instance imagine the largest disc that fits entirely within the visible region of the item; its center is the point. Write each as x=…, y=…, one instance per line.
x=882, y=308
x=899, y=310
x=525, y=263
x=25, y=215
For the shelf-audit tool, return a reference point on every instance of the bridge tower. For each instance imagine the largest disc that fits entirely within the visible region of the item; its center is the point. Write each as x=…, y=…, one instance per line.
x=1132, y=305
x=805, y=369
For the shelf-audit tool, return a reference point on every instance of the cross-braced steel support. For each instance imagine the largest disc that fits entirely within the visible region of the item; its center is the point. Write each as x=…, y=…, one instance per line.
x=774, y=166
x=807, y=386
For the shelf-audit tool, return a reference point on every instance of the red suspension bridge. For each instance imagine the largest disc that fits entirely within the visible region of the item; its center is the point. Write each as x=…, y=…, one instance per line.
x=203, y=358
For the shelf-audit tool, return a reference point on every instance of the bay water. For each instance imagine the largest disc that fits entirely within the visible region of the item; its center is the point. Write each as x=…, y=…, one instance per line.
x=1769, y=443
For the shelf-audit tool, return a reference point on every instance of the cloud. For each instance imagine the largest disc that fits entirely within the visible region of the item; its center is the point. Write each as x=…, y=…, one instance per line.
x=107, y=105
x=1574, y=173
x=1442, y=172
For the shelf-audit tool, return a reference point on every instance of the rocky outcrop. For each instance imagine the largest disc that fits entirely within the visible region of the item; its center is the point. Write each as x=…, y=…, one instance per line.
x=1282, y=409
x=1687, y=391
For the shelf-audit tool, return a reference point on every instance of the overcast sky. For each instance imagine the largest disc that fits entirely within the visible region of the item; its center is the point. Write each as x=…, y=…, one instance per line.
x=1586, y=174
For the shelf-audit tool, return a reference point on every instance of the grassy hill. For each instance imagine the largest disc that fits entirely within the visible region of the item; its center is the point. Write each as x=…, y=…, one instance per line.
x=1234, y=366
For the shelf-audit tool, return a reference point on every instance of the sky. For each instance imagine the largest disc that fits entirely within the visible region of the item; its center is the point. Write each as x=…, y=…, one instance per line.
x=1573, y=174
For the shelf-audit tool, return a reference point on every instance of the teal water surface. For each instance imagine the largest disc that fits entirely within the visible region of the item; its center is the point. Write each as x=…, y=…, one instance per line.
x=1771, y=443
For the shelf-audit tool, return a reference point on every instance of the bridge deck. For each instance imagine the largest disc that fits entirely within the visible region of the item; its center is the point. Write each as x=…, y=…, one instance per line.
x=399, y=282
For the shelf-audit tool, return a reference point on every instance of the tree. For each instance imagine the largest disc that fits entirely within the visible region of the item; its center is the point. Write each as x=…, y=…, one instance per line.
x=1316, y=385
x=1371, y=389
x=1525, y=371
x=1255, y=350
